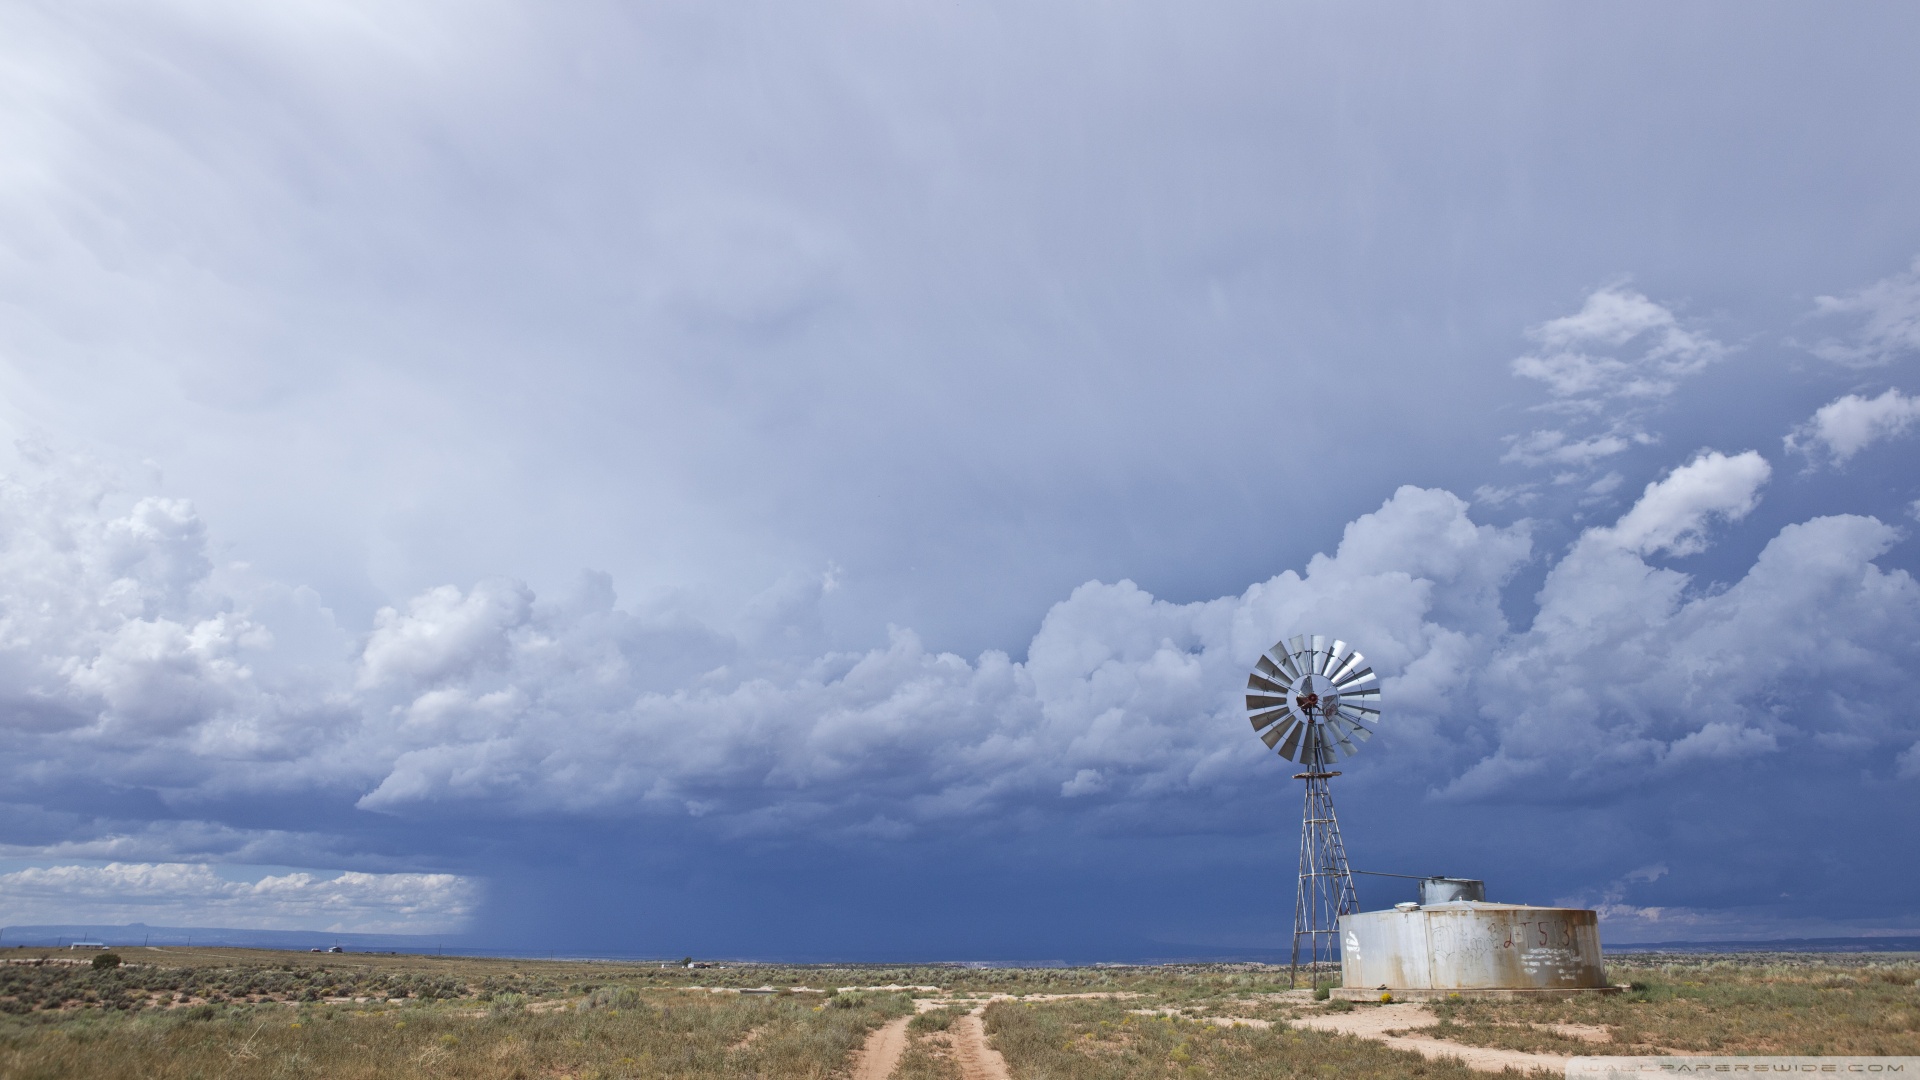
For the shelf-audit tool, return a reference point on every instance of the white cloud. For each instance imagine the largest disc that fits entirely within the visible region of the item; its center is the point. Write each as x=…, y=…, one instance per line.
x=1848, y=425
x=1618, y=345
x=1719, y=741
x=483, y=700
x=444, y=632
x=1673, y=513
x=1605, y=368
x=181, y=894
x=1627, y=667
x=1890, y=311
x=1119, y=691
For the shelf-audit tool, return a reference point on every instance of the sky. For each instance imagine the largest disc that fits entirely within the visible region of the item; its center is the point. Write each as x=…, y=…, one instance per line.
x=809, y=482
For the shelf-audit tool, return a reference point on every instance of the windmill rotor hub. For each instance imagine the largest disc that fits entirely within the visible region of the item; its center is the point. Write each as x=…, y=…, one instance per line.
x=1310, y=698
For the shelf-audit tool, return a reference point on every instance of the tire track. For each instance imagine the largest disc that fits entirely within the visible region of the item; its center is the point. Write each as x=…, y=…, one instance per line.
x=881, y=1055
x=977, y=1058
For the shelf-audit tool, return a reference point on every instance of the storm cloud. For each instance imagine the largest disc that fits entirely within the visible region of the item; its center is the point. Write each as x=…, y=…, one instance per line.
x=776, y=483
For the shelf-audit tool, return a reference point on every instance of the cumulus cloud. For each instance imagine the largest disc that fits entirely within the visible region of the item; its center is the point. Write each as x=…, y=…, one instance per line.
x=194, y=895
x=1889, y=312
x=489, y=703
x=1844, y=427
x=443, y=632
x=1673, y=513
x=124, y=658
x=1628, y=667
x=1120, y=694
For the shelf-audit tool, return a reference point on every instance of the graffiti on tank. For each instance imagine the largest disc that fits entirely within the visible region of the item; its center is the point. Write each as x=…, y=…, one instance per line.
x=1521, y=948
x=1542, y=951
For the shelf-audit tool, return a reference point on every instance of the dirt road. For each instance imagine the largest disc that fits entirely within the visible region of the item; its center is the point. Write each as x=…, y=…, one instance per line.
x=977, y=1059
x=965, y=1039
x=876, y=1060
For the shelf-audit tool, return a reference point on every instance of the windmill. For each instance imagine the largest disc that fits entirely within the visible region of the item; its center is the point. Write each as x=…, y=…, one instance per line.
x=1308, y=698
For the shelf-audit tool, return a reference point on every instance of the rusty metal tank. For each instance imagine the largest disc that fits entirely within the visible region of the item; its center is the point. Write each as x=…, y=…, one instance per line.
x=1471, y=945
x=1440, y=890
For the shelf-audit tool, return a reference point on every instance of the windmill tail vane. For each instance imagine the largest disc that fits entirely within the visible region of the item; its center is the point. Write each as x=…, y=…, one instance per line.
x=1309, y=698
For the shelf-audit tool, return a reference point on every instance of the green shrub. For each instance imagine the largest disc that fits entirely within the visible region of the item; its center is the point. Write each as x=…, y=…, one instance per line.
x=934, y=1020
x=106, y=961
x=1323, y=990
x=615, y=997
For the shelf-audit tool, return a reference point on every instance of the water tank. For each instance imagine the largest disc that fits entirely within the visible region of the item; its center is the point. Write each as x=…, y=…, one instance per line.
x=1472, y=945
x=1441, y=890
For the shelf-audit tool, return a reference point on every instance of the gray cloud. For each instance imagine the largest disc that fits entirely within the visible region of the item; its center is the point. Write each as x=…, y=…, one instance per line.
x=928, y=388
x=490, y=698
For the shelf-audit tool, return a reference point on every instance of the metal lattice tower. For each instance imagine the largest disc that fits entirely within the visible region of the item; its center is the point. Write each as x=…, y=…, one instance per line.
x=1326, y=881
x=1307, y=697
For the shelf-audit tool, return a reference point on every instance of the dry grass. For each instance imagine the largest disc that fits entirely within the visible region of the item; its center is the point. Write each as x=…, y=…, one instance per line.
x=248, y=1013
x=935, y=1019
x=1720, y=1005
x=661, y=1034
x=1085, y=1040
x=929, y=1057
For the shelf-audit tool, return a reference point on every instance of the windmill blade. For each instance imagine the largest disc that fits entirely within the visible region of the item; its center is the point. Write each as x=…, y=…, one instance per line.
x=1272, y=670
x=1354, y=727
x=1347, y=748
x=1354, y=716
x=1319, y=655
x=1288, y=748
x=1354, y=677
x=1297, y=647
x=1368, y=693
x=1260, y=720
x=1363, y=707
x=1350, y=664
x=1336, y=657
x=1255, y=682
x=1260, y=702
x=1277, y=732
x=1288, y=661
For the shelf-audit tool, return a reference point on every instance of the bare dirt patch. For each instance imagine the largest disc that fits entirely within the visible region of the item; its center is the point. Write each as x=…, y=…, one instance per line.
x=1398, y=1025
